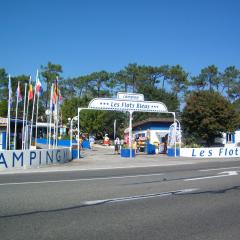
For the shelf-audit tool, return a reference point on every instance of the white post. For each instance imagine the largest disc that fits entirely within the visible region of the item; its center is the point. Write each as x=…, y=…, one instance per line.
x=8, y=132
x=16, y=115
x=34, y=97
x=36, y=128
x=48, y=125
x=130, y=133
x=175, y=147
x=24, y=110
x=56, y=131
x=79, y=109
x=71, y=134
x=54, y=126
x=25, y=134
x=114, y=129
x=180, y=134
x=50, y=121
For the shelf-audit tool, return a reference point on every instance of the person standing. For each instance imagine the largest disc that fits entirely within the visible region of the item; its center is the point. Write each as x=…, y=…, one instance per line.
x=117, y=145
x=91, y=141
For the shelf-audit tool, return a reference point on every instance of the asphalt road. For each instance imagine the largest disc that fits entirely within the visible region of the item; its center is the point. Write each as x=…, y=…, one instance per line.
x=198, y=201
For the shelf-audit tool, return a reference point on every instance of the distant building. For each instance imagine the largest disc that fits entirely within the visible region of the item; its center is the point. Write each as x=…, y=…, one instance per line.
x=3, y=130
x=153, y=129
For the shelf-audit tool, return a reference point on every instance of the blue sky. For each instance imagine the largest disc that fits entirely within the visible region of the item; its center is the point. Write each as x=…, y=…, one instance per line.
x=87, y=36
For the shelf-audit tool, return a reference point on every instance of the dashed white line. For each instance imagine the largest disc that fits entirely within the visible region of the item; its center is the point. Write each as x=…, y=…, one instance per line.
x=82, y=179
x=216, y=169
x=146, y=196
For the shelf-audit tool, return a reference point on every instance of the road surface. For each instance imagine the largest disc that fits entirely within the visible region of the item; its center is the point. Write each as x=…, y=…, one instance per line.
x=199, y=201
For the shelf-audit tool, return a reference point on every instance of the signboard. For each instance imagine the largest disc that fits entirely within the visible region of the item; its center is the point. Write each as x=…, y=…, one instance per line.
x=214, y=152
x=130, y=96
x=3, y=121
x=126, y=105
x=17, y=159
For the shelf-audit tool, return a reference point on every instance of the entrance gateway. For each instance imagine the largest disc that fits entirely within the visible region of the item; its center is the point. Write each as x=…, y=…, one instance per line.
x=127, y=102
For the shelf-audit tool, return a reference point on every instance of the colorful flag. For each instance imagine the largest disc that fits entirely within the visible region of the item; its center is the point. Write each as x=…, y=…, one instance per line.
x=60, y=97
x=30, y=93
x=19, y=95
x=56, y=92
x=38, y=87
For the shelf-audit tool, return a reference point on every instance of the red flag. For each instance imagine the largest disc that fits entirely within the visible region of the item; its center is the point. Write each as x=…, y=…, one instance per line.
x=19, y=95
x=56, y=92
x=30, y=93
x=38, y=87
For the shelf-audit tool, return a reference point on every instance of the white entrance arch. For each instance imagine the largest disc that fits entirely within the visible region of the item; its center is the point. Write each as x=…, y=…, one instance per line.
x=122, y=104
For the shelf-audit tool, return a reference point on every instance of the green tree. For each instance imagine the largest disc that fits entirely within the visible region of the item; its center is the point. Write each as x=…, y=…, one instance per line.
x=178, y=79
x=91, y=121
x=3, y=108
x=154, y=94
x=207, y=115
x=3, y=84
x=208, y=78
x=230, y=78
x=100, y=82
x=49, y=74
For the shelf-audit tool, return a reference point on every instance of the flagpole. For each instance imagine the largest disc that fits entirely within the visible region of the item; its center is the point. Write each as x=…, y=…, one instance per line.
x=16, y=115
x=30, y=141
x=26, y=124
x=36, y=119
x=54, y=129
x=8, y=132
x=24, y=111
x=50, y=130
x=56, y=121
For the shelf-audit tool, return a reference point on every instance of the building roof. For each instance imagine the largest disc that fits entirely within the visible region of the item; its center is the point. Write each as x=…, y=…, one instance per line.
x=153, y=120
x=150, y=120
x=3, y=121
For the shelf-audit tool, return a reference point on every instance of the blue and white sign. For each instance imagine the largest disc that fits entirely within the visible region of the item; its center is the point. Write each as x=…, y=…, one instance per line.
x=126, y=105
x=17, y=159
x=130, y=96
x=215, y=152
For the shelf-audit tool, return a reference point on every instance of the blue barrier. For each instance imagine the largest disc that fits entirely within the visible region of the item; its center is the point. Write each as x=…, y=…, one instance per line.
x=75, y=153
x=3, y=143
x=151, y=149
x=171, y=152
x=125, y=152
x=85, y=144
x=62, y=142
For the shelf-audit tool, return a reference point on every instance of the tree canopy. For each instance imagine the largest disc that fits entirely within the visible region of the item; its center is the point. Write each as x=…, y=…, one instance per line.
x=207, y=115
x=164, y=83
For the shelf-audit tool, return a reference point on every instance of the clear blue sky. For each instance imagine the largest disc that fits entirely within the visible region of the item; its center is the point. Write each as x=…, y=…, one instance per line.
x=92, y=35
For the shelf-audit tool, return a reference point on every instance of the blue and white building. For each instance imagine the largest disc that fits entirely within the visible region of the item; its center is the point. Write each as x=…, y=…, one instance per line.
x=154, y=129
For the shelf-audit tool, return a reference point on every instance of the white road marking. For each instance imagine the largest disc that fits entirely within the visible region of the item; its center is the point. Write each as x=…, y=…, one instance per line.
x=222, y=174
x=217, y=169
x=43, y=170
x=83, y=179
x=131, y=198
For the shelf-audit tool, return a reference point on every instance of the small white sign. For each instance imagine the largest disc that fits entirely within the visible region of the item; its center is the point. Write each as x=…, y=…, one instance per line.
x=3, y=120
x=130, y=96
x=125, y=105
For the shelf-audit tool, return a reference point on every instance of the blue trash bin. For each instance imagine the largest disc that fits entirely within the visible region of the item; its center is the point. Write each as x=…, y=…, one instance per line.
x=75, y=154
x=151, y=149
x=125, y=152
x=171, y=152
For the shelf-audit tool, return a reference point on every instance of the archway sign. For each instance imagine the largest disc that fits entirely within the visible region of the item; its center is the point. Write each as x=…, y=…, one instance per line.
x=126, y=102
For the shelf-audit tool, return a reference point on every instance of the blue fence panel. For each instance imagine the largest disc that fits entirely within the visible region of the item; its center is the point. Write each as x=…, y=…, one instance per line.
x=125, y=152
x=3, y=143
x=171, y=152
